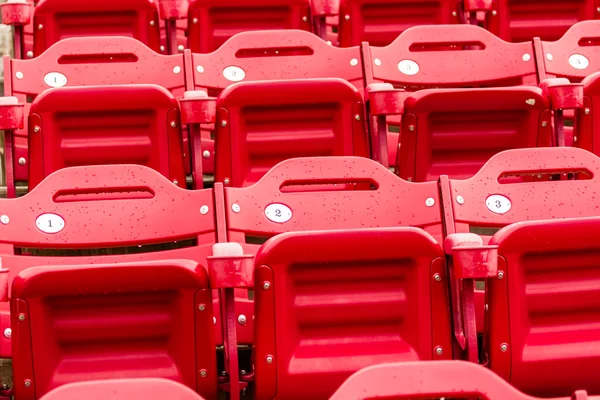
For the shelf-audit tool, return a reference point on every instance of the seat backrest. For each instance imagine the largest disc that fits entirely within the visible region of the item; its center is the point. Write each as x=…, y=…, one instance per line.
x=574, y=56
x=492, y=199
x=95, y=125
x=455, y=131
x=379, y=22
x=273, y=55
x=290, y=118
x=55, y=20
x=297, y=195
x=86, y=62
x=99, y=215
x=522, y=20
x=550, y=326
x=212, y=22
x=450, y=56
x=338, y=301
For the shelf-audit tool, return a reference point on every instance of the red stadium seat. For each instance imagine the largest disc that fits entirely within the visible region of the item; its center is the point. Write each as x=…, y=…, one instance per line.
x=268, y=55
x=99, y=125
x=212, y=22
x=379, y=22
x=399, y=381
x=292, y=118
x=493, y=199
x=123, y=246
x=329, y=303
x=54, y=20
x=123, y=389
x=86, y=62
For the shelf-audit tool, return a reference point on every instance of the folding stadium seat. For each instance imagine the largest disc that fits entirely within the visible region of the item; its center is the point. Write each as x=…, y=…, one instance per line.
x=576, y=56
x=379, y=22
x=538, y=339
x=450, y=379
x=454, y=131
x=329, y=303
x=522, y=20
x=100, y=125
x=54, y=20
x=85, y=62
x=105, y=271
x=296, y=195
x=123, y=389
x=212, y=22
x=268, y=55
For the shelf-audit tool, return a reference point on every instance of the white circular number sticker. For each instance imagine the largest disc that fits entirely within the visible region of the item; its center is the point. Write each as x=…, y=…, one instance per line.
x=234, y=74
x=579, y=61
x=278, y=213
x=408, y=67
x=498, y=204
x=50, y=223
x=55, y=79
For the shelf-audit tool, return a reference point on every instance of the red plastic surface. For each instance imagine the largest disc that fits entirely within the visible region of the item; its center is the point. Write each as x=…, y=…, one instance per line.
x=123, y=389
x=431, y=379
x=455, y=131
x=87, y=62
x=379, y=22
x=107, y=321
x=16, y=12
x=543, y=311
x=54, y=20
x=523, y=20
x=212, y=22
x=338, y=301
x=134, y=124
x=292, y=118
x=126, y=208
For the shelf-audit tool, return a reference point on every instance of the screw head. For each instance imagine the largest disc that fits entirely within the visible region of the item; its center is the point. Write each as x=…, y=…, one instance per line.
x=235, y=207
x=195, y=21
x=269, y=359
x=36, y=129
x=21, y=317
x=204, y=210
x=226, y=181
x=243, y=372
x=544, y=124
x=266, y=285
x=460, y=200
x=377, y=62
x=162, y=49
x=30, y=54
x=503, y=347
x=439, y=350
x=305, y=18
x=454, y=14
x=357, y=117
x=411, y=128
x=40, y=26
x=200, y=69
x=175, y=182
x=549, y=56
x=494, y=13
x=8, y=333
x=214, y=320
x=206, y=154
x=430, y=202
x=500, y=274
x=526, y=57
x=201, y=307
x=19, y=75
x=180, y=48
x=242, y=319
x=346, y=17
x=4, y=219
x=437, y=277
x=354, y=62
x=22, y=161
x=176, y=69
x=173, y=124
x=203, y=373
x=224, y=123
x=586, y=111
x=27, y=382
x=152, y=23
